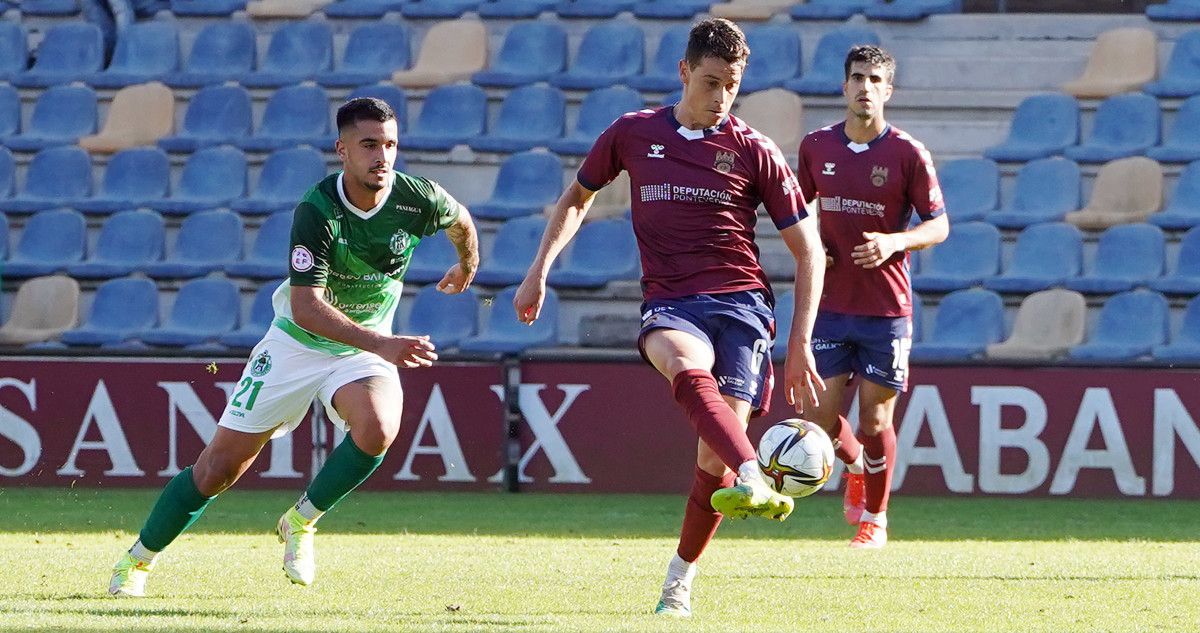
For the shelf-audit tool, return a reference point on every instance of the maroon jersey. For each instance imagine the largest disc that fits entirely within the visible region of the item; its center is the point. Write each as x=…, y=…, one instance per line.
x=867, y=187
x=695, y=195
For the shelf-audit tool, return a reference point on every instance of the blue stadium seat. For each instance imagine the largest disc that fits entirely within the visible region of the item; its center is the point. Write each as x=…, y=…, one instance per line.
x=3, y=237
x=592, y=8
x=56, y=8
x=51, y=241
x=968, y=256
x=828, y=70
x=431, y=259
x=1125, y=125
x=1174, y=11
x=1182, y=143
x=1128, y=256
x=268, y=256
x=10, y=113
x=1046, y=256
x=207, y=241
x=362, y=8
x=917, y=318
x=212, y=177
x=122, y=309
x=372, y=53
x=527, y=182
x=1129, y=326
x=597, y=111
x=1185, y=346
x=390, y=93
x=262, y=312
x=967, y=322
x=146, y=51
x=61, y=115
x=971, y=188
x=604, y=251
x=203, y=310
x=1185, y=280
x=663, y=71
x=207, y=7
x=215, y=115
x=295, y=115
x=134, y=177
x=671, y=9
x=298, y=51
x=222, y=51
x=515, y=8
x=1183, y=210
x=911, y=10
x=1043, y=125
x=69, y=52
x=513, y=250
x=830, y=9
x=451, y=115
x=56, y=176
x=609, y=54
x=785, y=311
x=8, y=172
x=531, y=116
x=776, y=57
x=445, y=319
x=504, y=334
x=1181, y=77
x=1046, y=190
x=437, y=9
x=128, y=240
x=14, y=51
x=285, y=176
x=532, y=51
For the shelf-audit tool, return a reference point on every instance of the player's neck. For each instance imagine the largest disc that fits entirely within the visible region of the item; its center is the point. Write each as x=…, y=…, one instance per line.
x=681, y=114
x=362, y=198
x=864, y=130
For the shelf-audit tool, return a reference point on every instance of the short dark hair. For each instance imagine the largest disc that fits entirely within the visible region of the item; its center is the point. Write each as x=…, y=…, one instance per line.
x=874, y=56
x=716, y=37
x=364, y=109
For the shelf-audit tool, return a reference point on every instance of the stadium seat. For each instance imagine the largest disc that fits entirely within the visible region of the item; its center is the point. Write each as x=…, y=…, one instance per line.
x=515, y=8
x=828, y=67
x=1184, y=346
x=671, y=9
x=531, y=116
x=1127, y=256
x=1046, y=190
x=298, y=51
x=1130, y=325
x=971, y=188
x=210, y=8
x=1126, y=190
x=121, y=309
x=69, y=52
x=504, y=334
x=373, y=53
x=610, y=54
x=203, y=310
x=61, y=115
x=662, y=73
x=1182, y=143
x=776, y=113
x=362, y=8
x=10, y=113
x=527, y=182
x=212, y=177
x=44, y=308
x=393, y=95
x=1048, y=323
x=597, y=111
x=785, y=311
x=223, y=51
x=284, y=178
x=1042, y=126
x=911, y=10
x=967, y=322
x=968, y=256
x=750, y=10
x=295, y=115
x=1181, y=78
x=1122, y=60
x=215, y=115
x=8, y=171
x=450, y=115
x=451, y=51
x=1185, y=278
x=612, y=201
x=532, y=51
x=513, y=250
x=268, y=255
x=146, y=51
x=594, y=9
x=1045, y=256
x=283, y=9
x=207, y=241
x=14, y=51
x=445, y=319
x=137, y=177
x=51, y=241
x=139, y=115
x=604, y=251
x=1125, y=125
x=1174, y=11
x=777, y=58
x=432, y=257
x=55, y=177
x=437, y=9
x=262, y=312
x=128, y=241
x=830, y=9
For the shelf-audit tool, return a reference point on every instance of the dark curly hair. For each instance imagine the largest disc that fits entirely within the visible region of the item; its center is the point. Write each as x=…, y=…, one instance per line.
x=716, y=37
x=874, y=56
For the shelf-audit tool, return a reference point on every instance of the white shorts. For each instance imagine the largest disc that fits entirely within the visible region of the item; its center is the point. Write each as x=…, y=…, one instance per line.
x=283, y=377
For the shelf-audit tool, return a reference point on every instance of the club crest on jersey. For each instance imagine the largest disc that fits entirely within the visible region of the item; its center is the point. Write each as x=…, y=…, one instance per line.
x=399, y=242
x=261, y=365
x=878, y=175
x=829, y=167
x=656, y=151
x=723, y=162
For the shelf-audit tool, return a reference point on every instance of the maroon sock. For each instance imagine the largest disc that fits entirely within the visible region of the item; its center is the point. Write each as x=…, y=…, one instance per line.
x=696, y=391
x=700, y=520
x=845, y=445
x=879, y=458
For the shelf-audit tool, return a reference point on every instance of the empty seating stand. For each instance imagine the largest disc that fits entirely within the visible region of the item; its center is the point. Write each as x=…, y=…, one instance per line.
x=1046, y=190
x=1042, y=126
x=1047, y=325
x=967, y=322
x=504, y=334
x=1125, y=125
x=1122, y=60
x=1129, y=326
x=446, y=319
x=969, y=255
x=128, y=241
x=1045, y=256
x=527, y=182
x=532, y=51
x=121, y=309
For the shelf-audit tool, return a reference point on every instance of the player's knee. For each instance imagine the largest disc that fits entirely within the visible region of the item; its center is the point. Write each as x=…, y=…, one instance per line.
x=376, y=433
x=214, y=474
x=874, y=426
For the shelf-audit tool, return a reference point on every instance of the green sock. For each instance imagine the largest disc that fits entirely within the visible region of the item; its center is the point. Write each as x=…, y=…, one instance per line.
x=347, y=467
x=177, y=508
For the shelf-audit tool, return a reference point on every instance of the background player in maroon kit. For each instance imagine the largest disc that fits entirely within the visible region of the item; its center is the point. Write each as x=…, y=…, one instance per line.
x=697, y=176
x=868, y=178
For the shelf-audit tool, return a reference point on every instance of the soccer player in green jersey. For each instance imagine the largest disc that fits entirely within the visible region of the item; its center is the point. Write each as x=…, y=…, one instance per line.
x=353, y=235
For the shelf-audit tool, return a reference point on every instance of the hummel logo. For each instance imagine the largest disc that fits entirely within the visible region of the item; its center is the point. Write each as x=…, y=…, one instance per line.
x=656, y=151
x=829, y=167
x=874, y=466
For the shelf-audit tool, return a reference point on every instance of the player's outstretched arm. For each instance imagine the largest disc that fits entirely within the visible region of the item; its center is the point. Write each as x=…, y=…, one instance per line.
x=312, y=312
x=465, y=239
x=568, y=214
x=800, y=370
x=879, y=247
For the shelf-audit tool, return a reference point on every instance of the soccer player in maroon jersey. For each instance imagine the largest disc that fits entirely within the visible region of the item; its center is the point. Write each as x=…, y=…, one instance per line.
x=697, y=175
x=867, y=178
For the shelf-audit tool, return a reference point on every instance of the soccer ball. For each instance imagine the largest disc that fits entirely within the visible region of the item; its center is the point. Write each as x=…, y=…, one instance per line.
x=795, y=457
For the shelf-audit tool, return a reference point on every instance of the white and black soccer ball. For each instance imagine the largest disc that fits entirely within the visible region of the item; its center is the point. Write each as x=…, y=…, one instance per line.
x=795, y=457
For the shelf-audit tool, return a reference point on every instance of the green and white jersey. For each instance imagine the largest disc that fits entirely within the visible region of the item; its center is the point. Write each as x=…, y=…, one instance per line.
x=359, y=256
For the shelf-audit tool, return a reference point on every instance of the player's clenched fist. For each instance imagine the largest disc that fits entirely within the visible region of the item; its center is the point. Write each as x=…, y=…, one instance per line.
x=528, y=300
x=456, y=280
x=408, y=351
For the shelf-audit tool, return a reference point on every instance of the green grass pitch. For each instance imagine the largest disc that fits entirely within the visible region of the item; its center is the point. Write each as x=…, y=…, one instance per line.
x=498, y=562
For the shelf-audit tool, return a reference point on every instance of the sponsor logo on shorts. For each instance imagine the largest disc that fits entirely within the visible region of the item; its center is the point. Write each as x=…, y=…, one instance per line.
x=821, y=345
x=237, y=414
x=875, y=371
x=302, y=259
x=261, y=364
x=732, y=381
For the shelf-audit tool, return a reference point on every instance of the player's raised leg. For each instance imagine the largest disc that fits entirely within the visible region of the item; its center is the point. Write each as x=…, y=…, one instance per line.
x=877, y=404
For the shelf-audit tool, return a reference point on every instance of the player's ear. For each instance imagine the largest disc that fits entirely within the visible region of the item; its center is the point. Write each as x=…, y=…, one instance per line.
x=887, y=92
x=340, y=148
x=684, y=71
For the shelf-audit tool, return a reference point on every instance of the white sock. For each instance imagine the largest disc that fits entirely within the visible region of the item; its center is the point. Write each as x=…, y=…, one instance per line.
x=679, y=569
x=141, y=553
x=307, y=509
x=856, y=467
x=749, y=471
x=879, y=519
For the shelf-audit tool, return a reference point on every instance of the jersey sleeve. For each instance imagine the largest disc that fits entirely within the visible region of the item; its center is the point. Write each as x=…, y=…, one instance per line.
x=808, y=187
x=443, y=209
x=312, y=244
x=924, y=192
x=777, y=185
x=603, y=162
